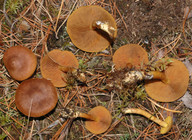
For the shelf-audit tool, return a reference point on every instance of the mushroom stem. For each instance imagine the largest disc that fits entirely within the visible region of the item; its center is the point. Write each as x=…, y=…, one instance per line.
x=134, y=76
x=105, y=27
x=144, y=113
x=165, y=125
x=67, y=69
x=85, y=116
x=158, y=75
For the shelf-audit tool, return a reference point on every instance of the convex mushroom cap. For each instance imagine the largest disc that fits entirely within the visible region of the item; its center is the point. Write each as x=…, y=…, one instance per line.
x=54, y=62
x=173, y=85
x=130, y=55
x=91, y=28
x=36, y=97
x=20, y=62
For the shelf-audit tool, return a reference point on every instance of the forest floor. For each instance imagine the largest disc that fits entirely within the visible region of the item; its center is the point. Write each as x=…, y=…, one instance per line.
x=162, y=27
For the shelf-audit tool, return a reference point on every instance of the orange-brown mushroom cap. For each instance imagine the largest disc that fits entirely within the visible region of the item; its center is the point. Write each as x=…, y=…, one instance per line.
x=36, y=97
x=130, y=55
x=51, y=66
x=177, y=82
x=81, y=32
x=20, y=62
x=103, y=120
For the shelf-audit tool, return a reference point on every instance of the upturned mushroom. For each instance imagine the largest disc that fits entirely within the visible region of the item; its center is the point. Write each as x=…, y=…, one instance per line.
x=170, y=84
x=97, y=120
x=130, y=55
x=165, y=125
x=91, y=28
x=55, y=65
x=36, y=97
x=164, y=86
x=20, y=62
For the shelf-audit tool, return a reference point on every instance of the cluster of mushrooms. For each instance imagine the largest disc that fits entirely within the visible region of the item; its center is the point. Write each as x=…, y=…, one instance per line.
x=36, y=97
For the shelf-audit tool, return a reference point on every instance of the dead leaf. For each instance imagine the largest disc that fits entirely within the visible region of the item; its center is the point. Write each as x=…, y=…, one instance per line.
x=189, y=66
x=187, y=100
x=187, y=12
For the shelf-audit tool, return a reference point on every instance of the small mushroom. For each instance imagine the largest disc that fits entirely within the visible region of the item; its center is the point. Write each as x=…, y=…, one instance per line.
x=56, y=64
x=36, y=97
x=20, y=62
x=165, y=125
x=130, y=55
x=169, y=85
x=91, y=28
x=97, y=120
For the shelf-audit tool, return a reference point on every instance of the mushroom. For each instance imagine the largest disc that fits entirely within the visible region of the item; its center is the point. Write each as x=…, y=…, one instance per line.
x=98, y=119
x=165, y=125
x=55, y=65
x=169, y=85
x=20, y=62
x=164, y=86
x=130, y=55
x=36, y=97
x=91, y=28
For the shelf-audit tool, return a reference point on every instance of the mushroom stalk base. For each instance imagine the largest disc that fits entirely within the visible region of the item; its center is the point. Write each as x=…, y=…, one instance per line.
x=135, y=76
x=105, y=27
x=144, y=113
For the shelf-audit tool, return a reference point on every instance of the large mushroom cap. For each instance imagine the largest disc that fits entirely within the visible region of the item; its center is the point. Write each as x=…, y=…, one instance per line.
x=36, y=97
x=20, y=62
x=51, y=66
x=178, y=78
x=81, y=32
x=103, y=120
x=130, y=55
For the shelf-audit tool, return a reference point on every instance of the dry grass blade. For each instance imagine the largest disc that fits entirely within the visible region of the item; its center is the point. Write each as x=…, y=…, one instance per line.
x=13, y=119
x=55, y=27
x=175, y=41
x=174, y=111
x=63, y=128
x=7, y=133
x=56, y=33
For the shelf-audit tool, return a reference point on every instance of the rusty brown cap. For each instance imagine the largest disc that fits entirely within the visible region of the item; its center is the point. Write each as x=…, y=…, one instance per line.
x=51, y=66
x=20, y=62
x=130, y=55
x=36, y=97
